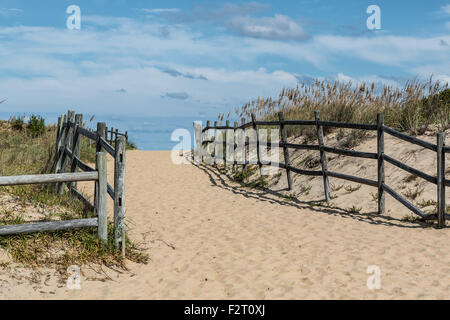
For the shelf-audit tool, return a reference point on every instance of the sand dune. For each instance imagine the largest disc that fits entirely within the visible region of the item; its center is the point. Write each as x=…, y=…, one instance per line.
x=209, y=238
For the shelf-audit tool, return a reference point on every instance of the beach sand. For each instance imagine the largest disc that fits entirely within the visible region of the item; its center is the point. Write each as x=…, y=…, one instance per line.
x=210, y=238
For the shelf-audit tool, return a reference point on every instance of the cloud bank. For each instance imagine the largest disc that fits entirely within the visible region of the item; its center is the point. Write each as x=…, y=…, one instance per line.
x=279, y=27
x=184, y=70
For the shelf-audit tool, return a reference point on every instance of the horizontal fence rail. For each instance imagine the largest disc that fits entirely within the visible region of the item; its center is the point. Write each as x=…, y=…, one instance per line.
x=108, y=148
x=88, y=134
x=99, y=176
x=351, y=153
x=48, y=226
x=409, y=169
x=225, y=152
x=410, y=139
x=47, y=178
x=301, y=146
x=342, y=176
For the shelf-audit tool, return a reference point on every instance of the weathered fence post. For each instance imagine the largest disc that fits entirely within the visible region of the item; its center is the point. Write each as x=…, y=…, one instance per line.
x=67, y=143
x=323, y=156
x=101, y=205
x=205, y=145
x=217, y=146
x=198, y=142
x=76, y=147
x=119, y=192
x=77, y=137
x=60, y=138
x=441, y=179
x=233, y=170
x=101, y=131
x=285, y=149
x=89, y=140
x=207, y=153
x=111, y=136
x=244, y=137
x=229, y=145
x=255, y=128
x=223, y=141
x=380, y=154
x=117, y=134
x=58, y=129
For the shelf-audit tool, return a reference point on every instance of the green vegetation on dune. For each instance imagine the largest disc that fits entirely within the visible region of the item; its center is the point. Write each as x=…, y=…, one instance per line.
x=415, y=108
x=29, y=148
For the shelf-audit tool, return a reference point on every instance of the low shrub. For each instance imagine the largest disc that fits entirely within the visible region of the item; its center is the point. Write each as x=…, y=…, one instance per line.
x=36, y=126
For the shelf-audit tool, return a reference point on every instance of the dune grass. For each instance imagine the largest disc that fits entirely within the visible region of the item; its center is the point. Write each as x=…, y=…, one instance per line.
x=22, y=151
x=413, y=109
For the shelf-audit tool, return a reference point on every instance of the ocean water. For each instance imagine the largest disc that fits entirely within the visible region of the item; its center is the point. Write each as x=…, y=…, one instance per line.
x=148, y=133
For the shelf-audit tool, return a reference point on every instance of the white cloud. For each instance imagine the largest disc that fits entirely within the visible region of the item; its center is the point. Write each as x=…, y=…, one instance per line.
x=10, y=11
x=342, y=77
x=446, y=9
x=215, y=14
x=231, y=9
x=160, y=10
x=388, y=50
x=176, y=95
x=378, y=80
x=444, y=78
x=113, y=53
x=97, y=91
x=280, y=27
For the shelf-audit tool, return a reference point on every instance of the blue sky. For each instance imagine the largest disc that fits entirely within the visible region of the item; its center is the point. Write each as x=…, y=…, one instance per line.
x=198, y=58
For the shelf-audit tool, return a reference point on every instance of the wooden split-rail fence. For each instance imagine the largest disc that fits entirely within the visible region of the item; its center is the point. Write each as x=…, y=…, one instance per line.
x=237, y=142
x=66, y=167
x=112, y=134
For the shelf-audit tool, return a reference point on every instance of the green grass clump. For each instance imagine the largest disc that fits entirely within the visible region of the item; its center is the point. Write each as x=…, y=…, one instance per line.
x=304, y=190
x=413, y=193
x=65, y=248
x=354, y=209
x=426, y=203
x=351, y=189
x=411, y=218
x=36, y=126
x=17, y=122
x=242, y=176
x=131, y=145
x=21, y=153
x=88, y=152
x=290, y=197
x=260, y=183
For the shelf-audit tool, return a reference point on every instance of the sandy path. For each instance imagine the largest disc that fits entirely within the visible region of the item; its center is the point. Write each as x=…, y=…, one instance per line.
x=210, y=239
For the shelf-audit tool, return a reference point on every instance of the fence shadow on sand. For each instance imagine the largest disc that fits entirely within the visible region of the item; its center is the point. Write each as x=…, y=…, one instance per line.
x=223, y=180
